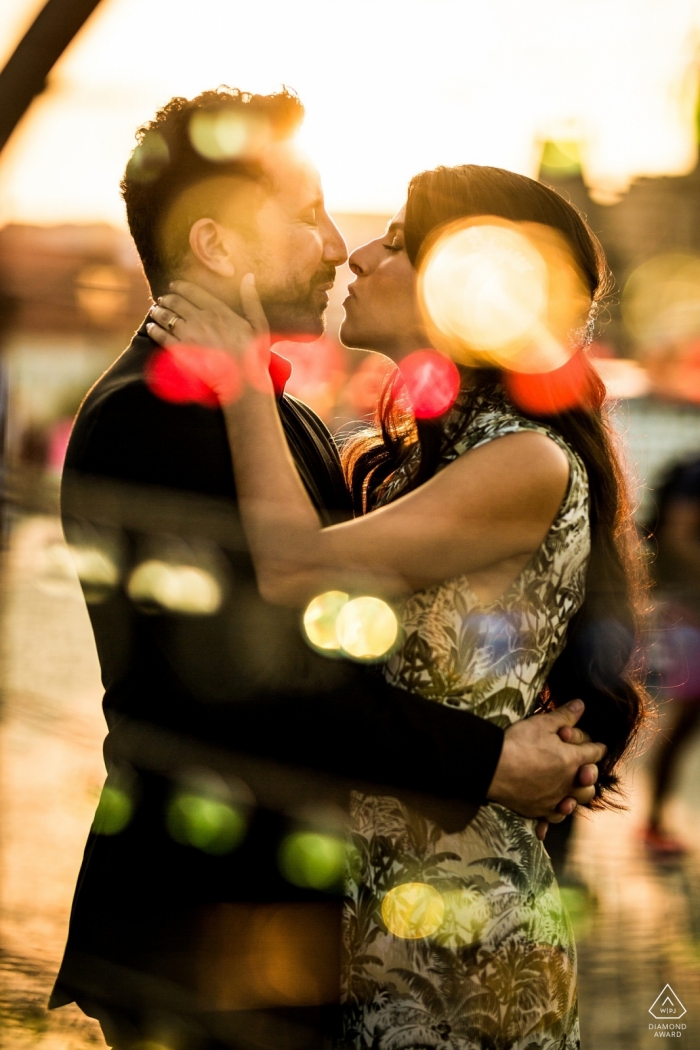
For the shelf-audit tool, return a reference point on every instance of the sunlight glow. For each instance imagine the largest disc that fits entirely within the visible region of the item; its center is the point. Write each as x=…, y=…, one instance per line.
x=616, y=81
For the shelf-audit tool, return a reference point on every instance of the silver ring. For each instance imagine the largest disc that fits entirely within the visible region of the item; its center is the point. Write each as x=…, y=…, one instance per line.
x=172, y=322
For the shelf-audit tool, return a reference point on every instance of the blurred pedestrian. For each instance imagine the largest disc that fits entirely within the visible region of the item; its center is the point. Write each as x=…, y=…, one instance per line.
x=675, y=534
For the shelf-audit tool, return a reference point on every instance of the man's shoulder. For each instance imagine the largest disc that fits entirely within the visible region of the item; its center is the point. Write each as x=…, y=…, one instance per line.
x=124, y=430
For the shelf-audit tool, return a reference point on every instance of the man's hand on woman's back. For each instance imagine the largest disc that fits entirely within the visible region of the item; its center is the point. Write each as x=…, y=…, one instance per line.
x=547, y=766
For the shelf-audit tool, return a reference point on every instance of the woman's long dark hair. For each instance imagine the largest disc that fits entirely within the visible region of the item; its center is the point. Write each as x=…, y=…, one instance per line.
x=600, y=662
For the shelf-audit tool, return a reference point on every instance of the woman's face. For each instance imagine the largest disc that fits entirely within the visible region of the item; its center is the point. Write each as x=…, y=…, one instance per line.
x=381, y=310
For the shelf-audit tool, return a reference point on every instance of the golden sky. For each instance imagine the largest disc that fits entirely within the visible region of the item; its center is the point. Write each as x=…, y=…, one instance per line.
x=390, y=86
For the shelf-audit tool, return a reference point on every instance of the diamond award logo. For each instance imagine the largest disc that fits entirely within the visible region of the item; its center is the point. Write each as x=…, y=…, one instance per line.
x=667, y=1005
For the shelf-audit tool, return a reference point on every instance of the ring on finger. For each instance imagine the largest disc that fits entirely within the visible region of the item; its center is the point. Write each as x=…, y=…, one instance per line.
x=172, y=322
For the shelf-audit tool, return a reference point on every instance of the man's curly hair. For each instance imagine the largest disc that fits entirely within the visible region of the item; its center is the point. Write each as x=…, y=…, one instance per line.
x=167, y=168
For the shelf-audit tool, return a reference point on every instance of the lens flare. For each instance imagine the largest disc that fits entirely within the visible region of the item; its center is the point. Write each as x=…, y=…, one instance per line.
x=503, y=294
x=312, y=860
x=194, y=375
x=432, y=381
x=413, y=910
x=177, y=588
x=114, y=811
x=320, y=620
x=208, y=824
x=366, y=628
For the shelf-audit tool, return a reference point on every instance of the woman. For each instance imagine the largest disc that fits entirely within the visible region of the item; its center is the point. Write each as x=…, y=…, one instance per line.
x=493, y=533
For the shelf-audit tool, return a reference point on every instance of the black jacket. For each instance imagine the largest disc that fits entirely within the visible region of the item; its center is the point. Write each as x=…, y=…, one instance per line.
x=237, y=691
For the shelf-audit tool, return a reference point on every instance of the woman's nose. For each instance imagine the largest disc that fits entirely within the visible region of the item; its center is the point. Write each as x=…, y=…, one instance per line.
x=359, y=261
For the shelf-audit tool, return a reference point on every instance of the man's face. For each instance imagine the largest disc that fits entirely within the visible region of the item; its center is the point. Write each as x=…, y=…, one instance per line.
x=296, y=247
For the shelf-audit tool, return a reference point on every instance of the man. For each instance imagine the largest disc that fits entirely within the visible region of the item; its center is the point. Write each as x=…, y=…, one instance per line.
x=195, y=922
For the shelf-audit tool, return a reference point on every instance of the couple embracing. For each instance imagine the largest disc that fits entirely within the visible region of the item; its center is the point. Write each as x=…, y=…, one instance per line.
x=453, y=931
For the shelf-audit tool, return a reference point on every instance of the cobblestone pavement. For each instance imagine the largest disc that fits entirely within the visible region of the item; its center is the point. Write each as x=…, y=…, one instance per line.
x=637, y=922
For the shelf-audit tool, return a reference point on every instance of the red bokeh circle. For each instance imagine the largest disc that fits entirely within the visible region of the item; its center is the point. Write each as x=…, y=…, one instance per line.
x=432, y=381
x=194, y=374
x=574, y=385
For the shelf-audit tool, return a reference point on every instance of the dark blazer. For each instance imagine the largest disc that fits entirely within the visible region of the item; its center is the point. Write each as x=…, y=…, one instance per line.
x=238, y=692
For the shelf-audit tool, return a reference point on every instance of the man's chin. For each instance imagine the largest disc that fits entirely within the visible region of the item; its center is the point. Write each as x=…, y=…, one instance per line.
x=299, y=329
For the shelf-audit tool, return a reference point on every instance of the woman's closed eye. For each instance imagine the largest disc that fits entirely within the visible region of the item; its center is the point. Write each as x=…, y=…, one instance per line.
x=395, y=245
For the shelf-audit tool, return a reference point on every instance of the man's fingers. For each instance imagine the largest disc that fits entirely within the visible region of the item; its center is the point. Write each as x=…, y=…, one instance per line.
x=583, y=795
x=592, y=753
x=252, y=307
x=574, y=735
x=566, y=715
x=541, y=829
x=194, y=294
x=587, y=775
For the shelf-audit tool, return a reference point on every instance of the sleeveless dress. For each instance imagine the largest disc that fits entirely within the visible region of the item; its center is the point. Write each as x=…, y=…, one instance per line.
x=461, y=941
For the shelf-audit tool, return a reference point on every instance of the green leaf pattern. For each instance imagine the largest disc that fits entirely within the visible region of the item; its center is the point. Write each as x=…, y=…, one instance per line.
x=500, y=971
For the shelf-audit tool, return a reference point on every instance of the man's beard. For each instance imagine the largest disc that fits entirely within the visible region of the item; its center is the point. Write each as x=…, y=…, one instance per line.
x=297, y=311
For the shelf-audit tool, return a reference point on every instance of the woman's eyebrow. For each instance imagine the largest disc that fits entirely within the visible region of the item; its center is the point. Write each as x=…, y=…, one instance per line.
x=394, y=227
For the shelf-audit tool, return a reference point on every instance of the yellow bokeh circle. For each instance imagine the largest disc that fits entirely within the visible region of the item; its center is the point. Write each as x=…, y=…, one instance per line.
x=366, y=628
x=505, y=294
x=486, y=285
x=320, y=620
x=413, y=910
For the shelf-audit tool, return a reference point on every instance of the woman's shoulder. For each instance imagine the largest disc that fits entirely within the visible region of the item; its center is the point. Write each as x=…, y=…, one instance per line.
x=492, y=415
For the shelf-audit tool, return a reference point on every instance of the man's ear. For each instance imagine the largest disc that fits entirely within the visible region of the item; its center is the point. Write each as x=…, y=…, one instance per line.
x=215, y=246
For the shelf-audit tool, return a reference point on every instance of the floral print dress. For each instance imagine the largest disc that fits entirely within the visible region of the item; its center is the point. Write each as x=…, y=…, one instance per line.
x=461, y=941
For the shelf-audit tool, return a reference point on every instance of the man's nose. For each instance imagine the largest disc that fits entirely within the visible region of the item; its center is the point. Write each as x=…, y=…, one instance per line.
x=335, y=250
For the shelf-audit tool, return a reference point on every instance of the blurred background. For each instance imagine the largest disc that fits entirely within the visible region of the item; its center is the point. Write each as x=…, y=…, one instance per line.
x=597, y=99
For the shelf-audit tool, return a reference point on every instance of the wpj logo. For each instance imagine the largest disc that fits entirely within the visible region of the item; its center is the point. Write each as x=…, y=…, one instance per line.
x=668, y=1009
x=667, y=1005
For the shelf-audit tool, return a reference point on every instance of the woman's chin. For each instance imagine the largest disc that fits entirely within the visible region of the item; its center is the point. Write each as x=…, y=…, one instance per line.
x=348, y=334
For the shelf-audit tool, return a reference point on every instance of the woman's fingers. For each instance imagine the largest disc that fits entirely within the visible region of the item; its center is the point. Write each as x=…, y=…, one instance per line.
x=252, y=307
x=167, y=319
x=200, y=298
x=161, y=336
x=179, y=305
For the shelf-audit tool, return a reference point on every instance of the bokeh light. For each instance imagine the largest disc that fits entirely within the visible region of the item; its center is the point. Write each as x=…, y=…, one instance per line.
x=366, y=382
x=210, y=824
x=149, y=158
x=413, y=910
x=178, y=588
x=97, y=571
x=485, y=285
x=320, y=619
x=318, y=371
x=503, y=294
x=312, y=860
x=547, y=393
x=367, y=628
x=661, y=299
x=114, y=811
x=194, y=374
x=432, y=381
x=226, y=134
